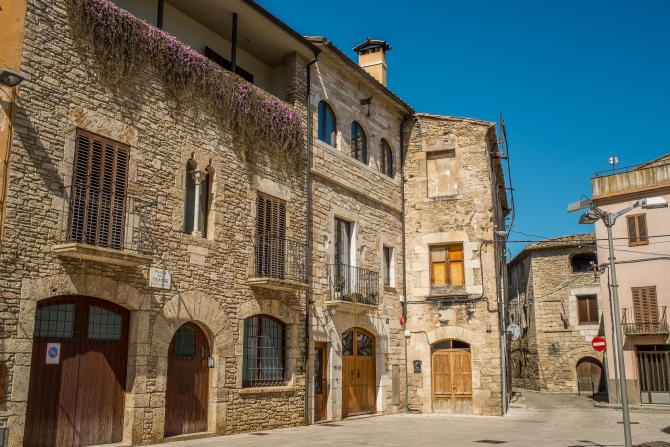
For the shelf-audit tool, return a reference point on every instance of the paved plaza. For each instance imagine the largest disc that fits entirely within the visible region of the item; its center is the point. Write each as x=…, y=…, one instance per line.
x=533, y=420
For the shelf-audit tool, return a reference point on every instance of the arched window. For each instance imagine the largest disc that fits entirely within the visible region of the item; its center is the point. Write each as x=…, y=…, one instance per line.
x=359, y=144
x=197, y=193
x=582, y=263
x=387, y=159
x=327, y=124
x=264, y=352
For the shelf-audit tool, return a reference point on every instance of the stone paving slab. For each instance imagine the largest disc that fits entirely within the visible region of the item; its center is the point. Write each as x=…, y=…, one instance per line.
x=547, y=420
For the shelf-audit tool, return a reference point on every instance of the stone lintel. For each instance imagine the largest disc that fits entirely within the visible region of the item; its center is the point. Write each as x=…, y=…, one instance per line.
x=268, y=390
x=277, y=284
x=103, y=255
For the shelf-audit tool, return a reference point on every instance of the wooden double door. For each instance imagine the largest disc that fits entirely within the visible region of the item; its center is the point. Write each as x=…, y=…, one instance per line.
x=358, y=373
x=187, y=394
x=76, y=393
x=452, y=381
x=590, y=377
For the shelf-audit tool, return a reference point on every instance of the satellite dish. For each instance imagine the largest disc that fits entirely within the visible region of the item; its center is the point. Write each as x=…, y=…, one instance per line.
x=514, y=331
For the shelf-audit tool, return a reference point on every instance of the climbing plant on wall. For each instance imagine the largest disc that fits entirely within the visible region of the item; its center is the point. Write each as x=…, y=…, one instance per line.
x=120, y=43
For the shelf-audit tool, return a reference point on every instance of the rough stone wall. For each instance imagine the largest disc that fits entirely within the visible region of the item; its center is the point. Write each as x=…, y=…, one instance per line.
x=463, y=213
x=345, y=188
x=209, y=274
x=554, y=340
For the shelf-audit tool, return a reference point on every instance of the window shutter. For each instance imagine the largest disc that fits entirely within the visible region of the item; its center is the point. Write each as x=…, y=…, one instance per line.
x=438, y=266
x=99, y=186
x=632, y=232
x=593, y=309
x=271, y=236
x=653, y=304
x=456, y=278
x=583, y=310
x=641, y=228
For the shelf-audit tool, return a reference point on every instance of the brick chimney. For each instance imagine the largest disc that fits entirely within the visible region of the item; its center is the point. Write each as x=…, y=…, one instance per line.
x=372, y=58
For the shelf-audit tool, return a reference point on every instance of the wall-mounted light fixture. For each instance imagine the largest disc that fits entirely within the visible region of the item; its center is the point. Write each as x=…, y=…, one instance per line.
x=10, y=78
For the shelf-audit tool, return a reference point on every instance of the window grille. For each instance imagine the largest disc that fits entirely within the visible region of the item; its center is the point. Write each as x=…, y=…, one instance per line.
x=55, y=321
x=359, y=143
x=104, y=324
x=264, y=352
x=184, y=342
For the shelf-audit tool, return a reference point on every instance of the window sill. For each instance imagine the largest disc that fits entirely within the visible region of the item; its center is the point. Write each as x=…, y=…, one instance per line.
x=267, y=390
x=438, y=295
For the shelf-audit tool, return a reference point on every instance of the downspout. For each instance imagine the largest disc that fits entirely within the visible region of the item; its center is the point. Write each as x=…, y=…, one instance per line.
x=308, y=232
x=404, y=259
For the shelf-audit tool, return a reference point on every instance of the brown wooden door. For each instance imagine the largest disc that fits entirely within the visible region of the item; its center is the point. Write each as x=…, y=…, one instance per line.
x=358, y=373
x=590, y=376
x=187, y=395
x=320, y=382
x=80, y=400
x=452, y=381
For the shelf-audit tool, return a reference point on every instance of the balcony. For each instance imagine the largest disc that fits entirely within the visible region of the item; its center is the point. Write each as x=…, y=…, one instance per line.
x=350, y=286
x=279, y=264
x=652, y=323
x=99, y=225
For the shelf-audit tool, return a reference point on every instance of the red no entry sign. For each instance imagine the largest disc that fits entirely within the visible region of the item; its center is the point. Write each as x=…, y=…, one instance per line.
x=599, y=344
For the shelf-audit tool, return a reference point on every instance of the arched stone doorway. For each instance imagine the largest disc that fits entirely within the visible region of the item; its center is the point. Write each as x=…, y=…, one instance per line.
x=187, y=389
x=358, y=372
x=452, y=377
x=76, y=394
x=590, y=377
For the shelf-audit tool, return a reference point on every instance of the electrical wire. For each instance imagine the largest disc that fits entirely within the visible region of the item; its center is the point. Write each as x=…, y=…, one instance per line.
x=578, y=277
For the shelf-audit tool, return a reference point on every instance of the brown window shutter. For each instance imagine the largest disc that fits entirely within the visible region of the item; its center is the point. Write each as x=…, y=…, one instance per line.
x=642, y=228
x=632, y=230
x=637, y=304
x=583, y=309
x=271, y=236
x=593, y=309
x=653, y=304
x=438, y=260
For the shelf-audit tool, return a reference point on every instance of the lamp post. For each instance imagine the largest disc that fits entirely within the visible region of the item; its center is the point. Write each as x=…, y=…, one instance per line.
x=593, y=215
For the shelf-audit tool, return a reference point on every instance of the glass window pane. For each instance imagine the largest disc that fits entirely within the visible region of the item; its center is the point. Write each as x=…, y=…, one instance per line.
x=104, y=324
x=55, y=321
x=456, y=273
x=348, y=343
x=184, y=342
x=363, y=344
x=439, y=273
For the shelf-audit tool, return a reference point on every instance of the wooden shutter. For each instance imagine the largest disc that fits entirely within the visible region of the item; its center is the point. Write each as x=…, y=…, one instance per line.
x=645, y=305
x=583, y=304
x=99, y=182
x=593, y=309
x=271, y=236
x=637, y=229
x=456, y=274
x=438, y=266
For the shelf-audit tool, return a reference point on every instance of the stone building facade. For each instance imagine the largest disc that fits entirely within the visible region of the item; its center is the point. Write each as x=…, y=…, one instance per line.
x=554, y=297
x=455, y=201
x=356, y=223
x=216, y=286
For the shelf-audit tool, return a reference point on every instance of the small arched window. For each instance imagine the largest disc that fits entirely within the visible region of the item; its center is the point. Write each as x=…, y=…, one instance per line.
x=582, y=263
x=264, y=352
x=197, y=193
x=359, y=143
x=387, y=159
x=327, y=124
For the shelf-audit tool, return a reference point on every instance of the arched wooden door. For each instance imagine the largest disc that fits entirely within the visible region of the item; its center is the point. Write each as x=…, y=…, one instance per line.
x=187, y=395
x=452, y=377
x=358, y=373
x=76, y=395
x=590, y=376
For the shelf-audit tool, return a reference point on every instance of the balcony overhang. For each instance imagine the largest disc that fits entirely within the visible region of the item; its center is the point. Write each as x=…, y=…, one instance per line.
x=86, y=252
x=284, y=285
x=261, y=34
x=350, y=307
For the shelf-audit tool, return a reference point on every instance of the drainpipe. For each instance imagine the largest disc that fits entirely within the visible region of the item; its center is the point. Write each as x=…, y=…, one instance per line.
x=404, y=260
x=159, y=20
x=233, y=49
x=308, y=233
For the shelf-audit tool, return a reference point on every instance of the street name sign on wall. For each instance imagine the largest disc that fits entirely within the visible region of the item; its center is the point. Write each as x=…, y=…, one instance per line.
x=160, y=278
x=599, y=344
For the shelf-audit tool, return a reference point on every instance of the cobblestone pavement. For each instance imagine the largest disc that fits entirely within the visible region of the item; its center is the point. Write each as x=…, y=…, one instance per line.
x=537, y=420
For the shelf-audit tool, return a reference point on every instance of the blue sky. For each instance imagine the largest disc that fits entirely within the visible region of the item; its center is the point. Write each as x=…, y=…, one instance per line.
x=576, y=81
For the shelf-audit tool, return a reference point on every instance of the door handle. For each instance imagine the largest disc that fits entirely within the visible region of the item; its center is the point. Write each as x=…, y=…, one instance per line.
x=359, y=374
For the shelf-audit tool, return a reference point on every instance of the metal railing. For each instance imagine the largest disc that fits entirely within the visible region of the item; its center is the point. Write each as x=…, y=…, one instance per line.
x=280, y=258
x=353, y=284
x=101, y=217
x=654, y=322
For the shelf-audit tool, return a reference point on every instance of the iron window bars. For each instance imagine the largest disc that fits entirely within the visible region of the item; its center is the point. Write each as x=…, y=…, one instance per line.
x=264, y=352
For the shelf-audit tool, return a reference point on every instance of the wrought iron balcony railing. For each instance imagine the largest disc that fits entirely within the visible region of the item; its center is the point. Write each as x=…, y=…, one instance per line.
x=651, y=322
x=280, y=258
x=103, y=218
x=353, y=284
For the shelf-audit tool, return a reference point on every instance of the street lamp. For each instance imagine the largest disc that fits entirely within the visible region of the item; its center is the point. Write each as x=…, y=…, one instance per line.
x=592, y=216
x=10, y=78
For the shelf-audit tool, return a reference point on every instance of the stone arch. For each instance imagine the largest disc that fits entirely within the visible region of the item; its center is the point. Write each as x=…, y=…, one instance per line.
x=569, y=361
x=454, y=333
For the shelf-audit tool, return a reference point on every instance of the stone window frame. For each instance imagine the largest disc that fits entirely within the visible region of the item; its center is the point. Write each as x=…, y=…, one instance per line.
x=573, y=310
x=589, y=298
x=203, y=179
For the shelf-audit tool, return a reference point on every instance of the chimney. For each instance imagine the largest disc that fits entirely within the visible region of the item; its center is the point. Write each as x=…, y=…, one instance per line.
x=372, y=58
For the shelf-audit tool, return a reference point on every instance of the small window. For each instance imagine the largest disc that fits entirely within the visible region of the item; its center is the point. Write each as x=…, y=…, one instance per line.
x=264, y=352
x=637, y=229
x=588, y=309
x=387, y=262
x=447, y=270
x=55, y=321
x=387, y=159
x=359, y=143
x=104, y=324
x=197, y=184
x=327, y=124
x=583, y=263
x=184, y=342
